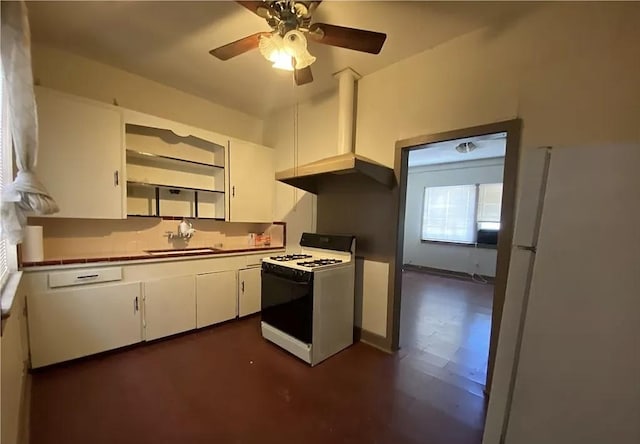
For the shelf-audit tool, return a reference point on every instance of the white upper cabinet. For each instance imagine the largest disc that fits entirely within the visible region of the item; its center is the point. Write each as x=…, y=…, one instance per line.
x=80, y=155
x=251, y=182
x=165, y=169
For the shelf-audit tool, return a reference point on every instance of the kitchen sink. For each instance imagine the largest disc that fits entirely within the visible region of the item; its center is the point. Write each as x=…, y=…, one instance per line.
x=179, y=251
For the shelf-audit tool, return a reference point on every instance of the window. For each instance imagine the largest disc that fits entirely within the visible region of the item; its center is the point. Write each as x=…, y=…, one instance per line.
x=489, y=206
x=6, y=251
x=449, y=214
x=456, y=213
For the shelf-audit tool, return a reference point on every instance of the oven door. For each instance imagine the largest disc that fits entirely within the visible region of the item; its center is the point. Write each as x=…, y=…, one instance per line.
x=288, y=305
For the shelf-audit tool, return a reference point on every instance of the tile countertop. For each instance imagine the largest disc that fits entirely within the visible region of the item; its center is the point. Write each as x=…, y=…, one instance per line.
x=145, y=257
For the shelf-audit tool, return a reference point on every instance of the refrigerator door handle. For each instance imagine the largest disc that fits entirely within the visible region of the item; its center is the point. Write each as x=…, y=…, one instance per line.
x=530, y=248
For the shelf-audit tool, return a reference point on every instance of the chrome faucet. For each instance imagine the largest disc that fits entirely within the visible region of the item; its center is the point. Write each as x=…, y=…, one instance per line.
x=185, y=230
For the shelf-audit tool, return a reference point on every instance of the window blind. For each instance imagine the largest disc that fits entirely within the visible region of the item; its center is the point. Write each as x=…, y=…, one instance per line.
x=489, y=205
x=448, y=214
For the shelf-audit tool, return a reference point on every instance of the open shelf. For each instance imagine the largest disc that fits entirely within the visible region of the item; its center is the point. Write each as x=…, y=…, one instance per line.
x=170, y=187
x=135, y=154
x=170, y=175
x=154, y=200
x=176, y=217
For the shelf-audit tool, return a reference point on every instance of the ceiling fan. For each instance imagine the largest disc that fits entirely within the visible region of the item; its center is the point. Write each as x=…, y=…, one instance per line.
x=286, y=45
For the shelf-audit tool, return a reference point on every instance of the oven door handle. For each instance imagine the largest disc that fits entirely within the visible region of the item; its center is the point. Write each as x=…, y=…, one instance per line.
x=288, y=281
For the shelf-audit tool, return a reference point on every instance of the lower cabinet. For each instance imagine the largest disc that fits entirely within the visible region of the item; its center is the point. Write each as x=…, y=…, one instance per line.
x=82, y=319
x=71, y=323
x=249, y=288
x=169, y=306
x=216, y=298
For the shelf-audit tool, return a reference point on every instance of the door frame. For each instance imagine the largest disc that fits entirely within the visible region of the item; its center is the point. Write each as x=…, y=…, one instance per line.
x=507, y=220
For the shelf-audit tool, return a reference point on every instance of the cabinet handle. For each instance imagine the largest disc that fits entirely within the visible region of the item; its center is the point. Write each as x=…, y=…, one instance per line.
x=233, y=191
x=116, y=178
x=135, y=305
x=243, y=286
x=88, y=276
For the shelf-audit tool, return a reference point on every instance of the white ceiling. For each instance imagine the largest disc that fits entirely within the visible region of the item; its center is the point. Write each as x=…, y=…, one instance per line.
x=487, y=147
x=168, y=41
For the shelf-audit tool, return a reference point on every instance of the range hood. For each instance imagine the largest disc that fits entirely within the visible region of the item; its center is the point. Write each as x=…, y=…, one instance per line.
x=309, y=177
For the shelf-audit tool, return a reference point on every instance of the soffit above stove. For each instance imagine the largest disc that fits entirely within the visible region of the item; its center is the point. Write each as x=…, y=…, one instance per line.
x=309, y=177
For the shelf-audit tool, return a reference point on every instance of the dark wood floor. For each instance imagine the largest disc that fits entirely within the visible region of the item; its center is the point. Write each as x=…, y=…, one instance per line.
x=227, y=385
x=445, y=326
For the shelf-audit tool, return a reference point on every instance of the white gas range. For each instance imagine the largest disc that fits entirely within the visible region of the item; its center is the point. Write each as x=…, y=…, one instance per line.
x=308, y=297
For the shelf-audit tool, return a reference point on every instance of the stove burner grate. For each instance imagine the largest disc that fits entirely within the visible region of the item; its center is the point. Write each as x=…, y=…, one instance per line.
x=290, y=257
x=319, y=262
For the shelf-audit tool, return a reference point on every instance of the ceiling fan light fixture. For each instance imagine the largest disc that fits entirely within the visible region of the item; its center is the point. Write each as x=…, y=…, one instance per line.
x=283, y=61
x=270, y=47
x=291, y=26
x=295, y=44
x=273, y=49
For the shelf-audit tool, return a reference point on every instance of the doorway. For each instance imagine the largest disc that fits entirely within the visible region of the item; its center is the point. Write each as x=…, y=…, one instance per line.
x=510, y=132
x=452, y=222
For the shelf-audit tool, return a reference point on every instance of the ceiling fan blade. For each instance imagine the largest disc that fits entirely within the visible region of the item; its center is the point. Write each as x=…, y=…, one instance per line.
x=238, y=47
x=260, y=8
x=350, y=38
x=312, y=6
x=307, y=10
x=303, y=76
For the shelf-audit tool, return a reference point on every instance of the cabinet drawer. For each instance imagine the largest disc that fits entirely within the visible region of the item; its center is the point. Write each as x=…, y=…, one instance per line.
x=84, y=276
x=254, y=261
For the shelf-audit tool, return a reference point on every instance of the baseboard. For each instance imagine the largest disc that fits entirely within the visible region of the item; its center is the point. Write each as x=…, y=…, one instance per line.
x=372, y=339
x=449, y=273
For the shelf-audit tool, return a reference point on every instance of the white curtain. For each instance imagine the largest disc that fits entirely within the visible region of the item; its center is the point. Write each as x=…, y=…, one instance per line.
x=26, y=193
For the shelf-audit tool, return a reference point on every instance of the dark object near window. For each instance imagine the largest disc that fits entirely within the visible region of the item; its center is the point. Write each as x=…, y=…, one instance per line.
x=487, y=237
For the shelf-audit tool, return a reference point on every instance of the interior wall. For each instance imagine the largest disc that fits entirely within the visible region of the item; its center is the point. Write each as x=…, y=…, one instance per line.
x=354, y=204
x=13, y=373
x=462, y=258
x=568, y=70
x=300, y=135
x=78, y=75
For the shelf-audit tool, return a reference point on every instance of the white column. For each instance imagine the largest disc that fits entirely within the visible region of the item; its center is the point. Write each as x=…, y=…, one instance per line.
x=346, y=92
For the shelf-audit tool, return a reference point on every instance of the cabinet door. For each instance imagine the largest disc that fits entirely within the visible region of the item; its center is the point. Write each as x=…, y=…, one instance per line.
x=216, y=298
x=249, y=289
x=80, y=155
x=251, y=182
x=169, y=306
x=68, y=324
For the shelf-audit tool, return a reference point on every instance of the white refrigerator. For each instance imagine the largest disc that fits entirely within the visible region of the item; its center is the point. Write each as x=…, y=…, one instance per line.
x=568, y=361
